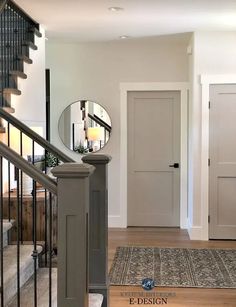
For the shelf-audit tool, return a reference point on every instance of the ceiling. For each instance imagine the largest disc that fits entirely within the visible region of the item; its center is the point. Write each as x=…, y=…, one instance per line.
x=90, y=20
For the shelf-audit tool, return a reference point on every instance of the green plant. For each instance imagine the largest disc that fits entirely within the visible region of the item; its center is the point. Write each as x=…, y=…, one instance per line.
x=51, y=160
x=81, y=149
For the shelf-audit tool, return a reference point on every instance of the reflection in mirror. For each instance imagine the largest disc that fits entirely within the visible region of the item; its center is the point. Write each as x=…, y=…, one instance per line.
x=84, y=126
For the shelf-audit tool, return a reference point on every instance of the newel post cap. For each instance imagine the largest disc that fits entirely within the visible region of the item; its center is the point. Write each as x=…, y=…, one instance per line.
x=73, y=170
x=96, y=159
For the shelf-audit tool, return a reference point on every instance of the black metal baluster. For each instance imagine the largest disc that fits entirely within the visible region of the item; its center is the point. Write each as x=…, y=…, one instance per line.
x=50, y=249
x=11, y=41
x=35, y=252
x=2, y=58
x=21, y=191
x=9, y=50
x=18, y=236
x=4, y=49
x=73, y=136
x=46, y=214
x=9, y=175
x=1, y=230
x=24, y=34
x=15, y=38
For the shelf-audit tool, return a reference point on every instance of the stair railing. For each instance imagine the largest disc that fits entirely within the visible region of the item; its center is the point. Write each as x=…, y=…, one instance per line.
x=72, y=193
x=13, y=198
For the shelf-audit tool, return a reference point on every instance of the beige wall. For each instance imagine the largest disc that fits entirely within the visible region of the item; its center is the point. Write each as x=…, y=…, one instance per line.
x=94, y=71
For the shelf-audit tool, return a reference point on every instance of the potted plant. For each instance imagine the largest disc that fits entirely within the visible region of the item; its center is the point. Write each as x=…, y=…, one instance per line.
x=81, y=149
x=50, y=162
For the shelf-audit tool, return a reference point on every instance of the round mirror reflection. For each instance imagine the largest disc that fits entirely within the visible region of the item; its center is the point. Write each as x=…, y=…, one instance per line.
x=84, y=127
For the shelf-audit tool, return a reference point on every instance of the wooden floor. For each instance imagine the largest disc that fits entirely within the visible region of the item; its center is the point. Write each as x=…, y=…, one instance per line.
x=168, y=237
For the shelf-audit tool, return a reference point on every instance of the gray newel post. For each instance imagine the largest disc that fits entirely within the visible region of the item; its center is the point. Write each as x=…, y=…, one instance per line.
x=98, y=226
x=73, y=205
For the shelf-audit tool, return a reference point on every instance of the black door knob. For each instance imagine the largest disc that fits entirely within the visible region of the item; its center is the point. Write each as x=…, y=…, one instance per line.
x=175, y=165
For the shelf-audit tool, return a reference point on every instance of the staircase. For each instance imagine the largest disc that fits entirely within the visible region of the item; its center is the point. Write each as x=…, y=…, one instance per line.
x=55, y=216
x=17, y=34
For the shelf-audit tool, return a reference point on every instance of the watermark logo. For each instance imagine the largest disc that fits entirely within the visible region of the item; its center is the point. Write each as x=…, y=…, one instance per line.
x=148, y=297
x=148, y=284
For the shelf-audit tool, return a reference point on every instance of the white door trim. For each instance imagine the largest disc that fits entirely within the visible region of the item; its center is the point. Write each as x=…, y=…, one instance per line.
x=183, y=87
x=206, y=81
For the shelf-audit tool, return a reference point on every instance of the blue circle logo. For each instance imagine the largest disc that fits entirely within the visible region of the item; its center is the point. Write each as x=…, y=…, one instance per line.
x=148, y=284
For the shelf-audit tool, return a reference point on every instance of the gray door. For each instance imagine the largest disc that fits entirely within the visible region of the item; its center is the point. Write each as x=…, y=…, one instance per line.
x=153, y=145
x=222, y=179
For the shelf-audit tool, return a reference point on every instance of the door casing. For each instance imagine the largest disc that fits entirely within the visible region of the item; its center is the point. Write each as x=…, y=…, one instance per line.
x=183, y=88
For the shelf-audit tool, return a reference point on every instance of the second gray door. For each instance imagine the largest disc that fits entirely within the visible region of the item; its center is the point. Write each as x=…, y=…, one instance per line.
x=153, y=150
x=222, y=179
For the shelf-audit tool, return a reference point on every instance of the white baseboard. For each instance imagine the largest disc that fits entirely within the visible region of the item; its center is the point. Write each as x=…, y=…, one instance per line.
x=115, y=221
x=196, y=233
x=184, y=224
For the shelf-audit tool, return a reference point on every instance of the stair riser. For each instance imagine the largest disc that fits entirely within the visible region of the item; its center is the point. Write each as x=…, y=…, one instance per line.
x=5, y=101
x=7, y=225
x=5, y=239
x=5, y=84
x=10, y=36
x=12, y=65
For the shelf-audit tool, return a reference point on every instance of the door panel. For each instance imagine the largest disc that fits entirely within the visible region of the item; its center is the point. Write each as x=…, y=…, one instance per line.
x=222, y=179
x=153, y=144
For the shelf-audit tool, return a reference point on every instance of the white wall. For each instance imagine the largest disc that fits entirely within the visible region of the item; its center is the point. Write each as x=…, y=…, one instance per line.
x=212, y=53
x=94, y=71
x=30, y=106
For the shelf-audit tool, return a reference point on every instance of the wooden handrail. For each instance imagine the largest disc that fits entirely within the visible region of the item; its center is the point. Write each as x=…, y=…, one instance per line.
x=28, y=168
x=17, y=8
x=34, y=136
x=2, y=5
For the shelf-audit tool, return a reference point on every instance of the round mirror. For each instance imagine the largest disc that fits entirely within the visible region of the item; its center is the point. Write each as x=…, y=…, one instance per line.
x=84, y=127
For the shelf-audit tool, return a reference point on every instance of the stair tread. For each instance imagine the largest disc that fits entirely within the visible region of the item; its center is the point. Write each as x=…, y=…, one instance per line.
x=13, y=91
x=25, y=59
x=18, y=73
x=95, y=300
x=9, y=259
x=30, y=44
x=36, y=31
x=9, y=109
x=27, y=292
x=10, y=268
x=7, y=225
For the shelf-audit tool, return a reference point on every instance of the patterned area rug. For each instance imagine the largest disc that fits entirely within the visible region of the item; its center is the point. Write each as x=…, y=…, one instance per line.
x=174, y=267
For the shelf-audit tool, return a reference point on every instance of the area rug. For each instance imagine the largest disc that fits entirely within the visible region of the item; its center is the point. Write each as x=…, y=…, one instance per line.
x=174, y=267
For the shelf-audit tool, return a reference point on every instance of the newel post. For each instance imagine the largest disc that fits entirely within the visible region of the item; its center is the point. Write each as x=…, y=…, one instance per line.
x=73, y=205
x=98, y=226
